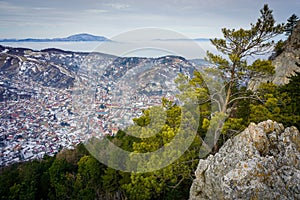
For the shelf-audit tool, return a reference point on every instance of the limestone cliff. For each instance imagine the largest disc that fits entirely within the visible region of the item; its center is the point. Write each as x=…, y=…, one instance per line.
x=263, y=162
x=285, y=62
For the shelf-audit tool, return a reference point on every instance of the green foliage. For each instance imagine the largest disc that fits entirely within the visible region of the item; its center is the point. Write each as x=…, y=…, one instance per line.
x=279, y=48
x=280, y=103
x=62, y=178
x=261, y=66
x=239, y=44
x=236, y=47
x=24, y=181
x=292, y=89
x=290, y=25
x=234, y=125
x=161, y=183
x=124, y=140
x=87, y=178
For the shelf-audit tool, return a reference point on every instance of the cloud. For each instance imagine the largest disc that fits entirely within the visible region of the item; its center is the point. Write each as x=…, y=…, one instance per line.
x=118, y=6
x=196, y=18
x=8, y=7
x=96, y=11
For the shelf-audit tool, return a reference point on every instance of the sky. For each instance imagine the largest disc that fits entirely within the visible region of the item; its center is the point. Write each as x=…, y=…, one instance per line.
x=192, y=18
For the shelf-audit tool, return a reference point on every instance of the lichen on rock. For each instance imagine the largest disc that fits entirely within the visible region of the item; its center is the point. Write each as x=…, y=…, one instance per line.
x=262, y=162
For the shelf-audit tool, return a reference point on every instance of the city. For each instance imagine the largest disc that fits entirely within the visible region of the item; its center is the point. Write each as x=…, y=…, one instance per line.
x=40, y=118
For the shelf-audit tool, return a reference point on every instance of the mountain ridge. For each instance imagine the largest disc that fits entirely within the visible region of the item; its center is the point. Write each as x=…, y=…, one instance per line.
x=81, y=37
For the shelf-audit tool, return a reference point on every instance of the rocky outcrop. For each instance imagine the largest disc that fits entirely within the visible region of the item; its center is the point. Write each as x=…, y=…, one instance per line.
x=263, y=162
x=284, y=63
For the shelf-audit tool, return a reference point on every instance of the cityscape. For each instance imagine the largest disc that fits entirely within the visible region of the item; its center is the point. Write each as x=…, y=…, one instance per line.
x=40, y=116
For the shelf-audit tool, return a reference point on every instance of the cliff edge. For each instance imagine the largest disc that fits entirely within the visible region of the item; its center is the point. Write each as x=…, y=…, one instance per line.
x=284, y=63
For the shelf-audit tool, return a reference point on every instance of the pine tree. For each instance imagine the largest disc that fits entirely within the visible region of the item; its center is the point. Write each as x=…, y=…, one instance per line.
x=236, y=48
x=292, y=88
x=238, y=45
x=290, y=25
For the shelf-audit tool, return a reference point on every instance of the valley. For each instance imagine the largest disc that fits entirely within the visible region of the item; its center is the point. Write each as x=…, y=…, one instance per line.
x=43, y=95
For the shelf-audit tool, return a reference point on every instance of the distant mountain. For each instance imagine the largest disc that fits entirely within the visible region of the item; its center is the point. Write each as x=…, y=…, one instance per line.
x=73, y=38
x=85, y=37
x=88, y=37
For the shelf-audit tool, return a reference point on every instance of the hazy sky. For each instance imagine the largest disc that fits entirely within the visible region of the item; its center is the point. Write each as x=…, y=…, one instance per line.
x=193, y=18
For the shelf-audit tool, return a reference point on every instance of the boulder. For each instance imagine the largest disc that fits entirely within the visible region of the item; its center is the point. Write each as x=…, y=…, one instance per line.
x=262, y=162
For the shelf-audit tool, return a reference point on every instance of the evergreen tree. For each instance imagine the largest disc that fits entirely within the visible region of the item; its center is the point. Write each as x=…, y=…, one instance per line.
x=174, y=178
x=279, y=103
x=293, y=86
x=236, y=47
x=290, y=25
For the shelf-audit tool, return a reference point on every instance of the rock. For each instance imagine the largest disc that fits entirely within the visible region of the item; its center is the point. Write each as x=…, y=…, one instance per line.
x=284, y=63
x=262, y=162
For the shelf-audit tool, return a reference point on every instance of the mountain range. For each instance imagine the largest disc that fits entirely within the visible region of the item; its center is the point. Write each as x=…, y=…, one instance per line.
x=73, y=38
x=84, y=37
